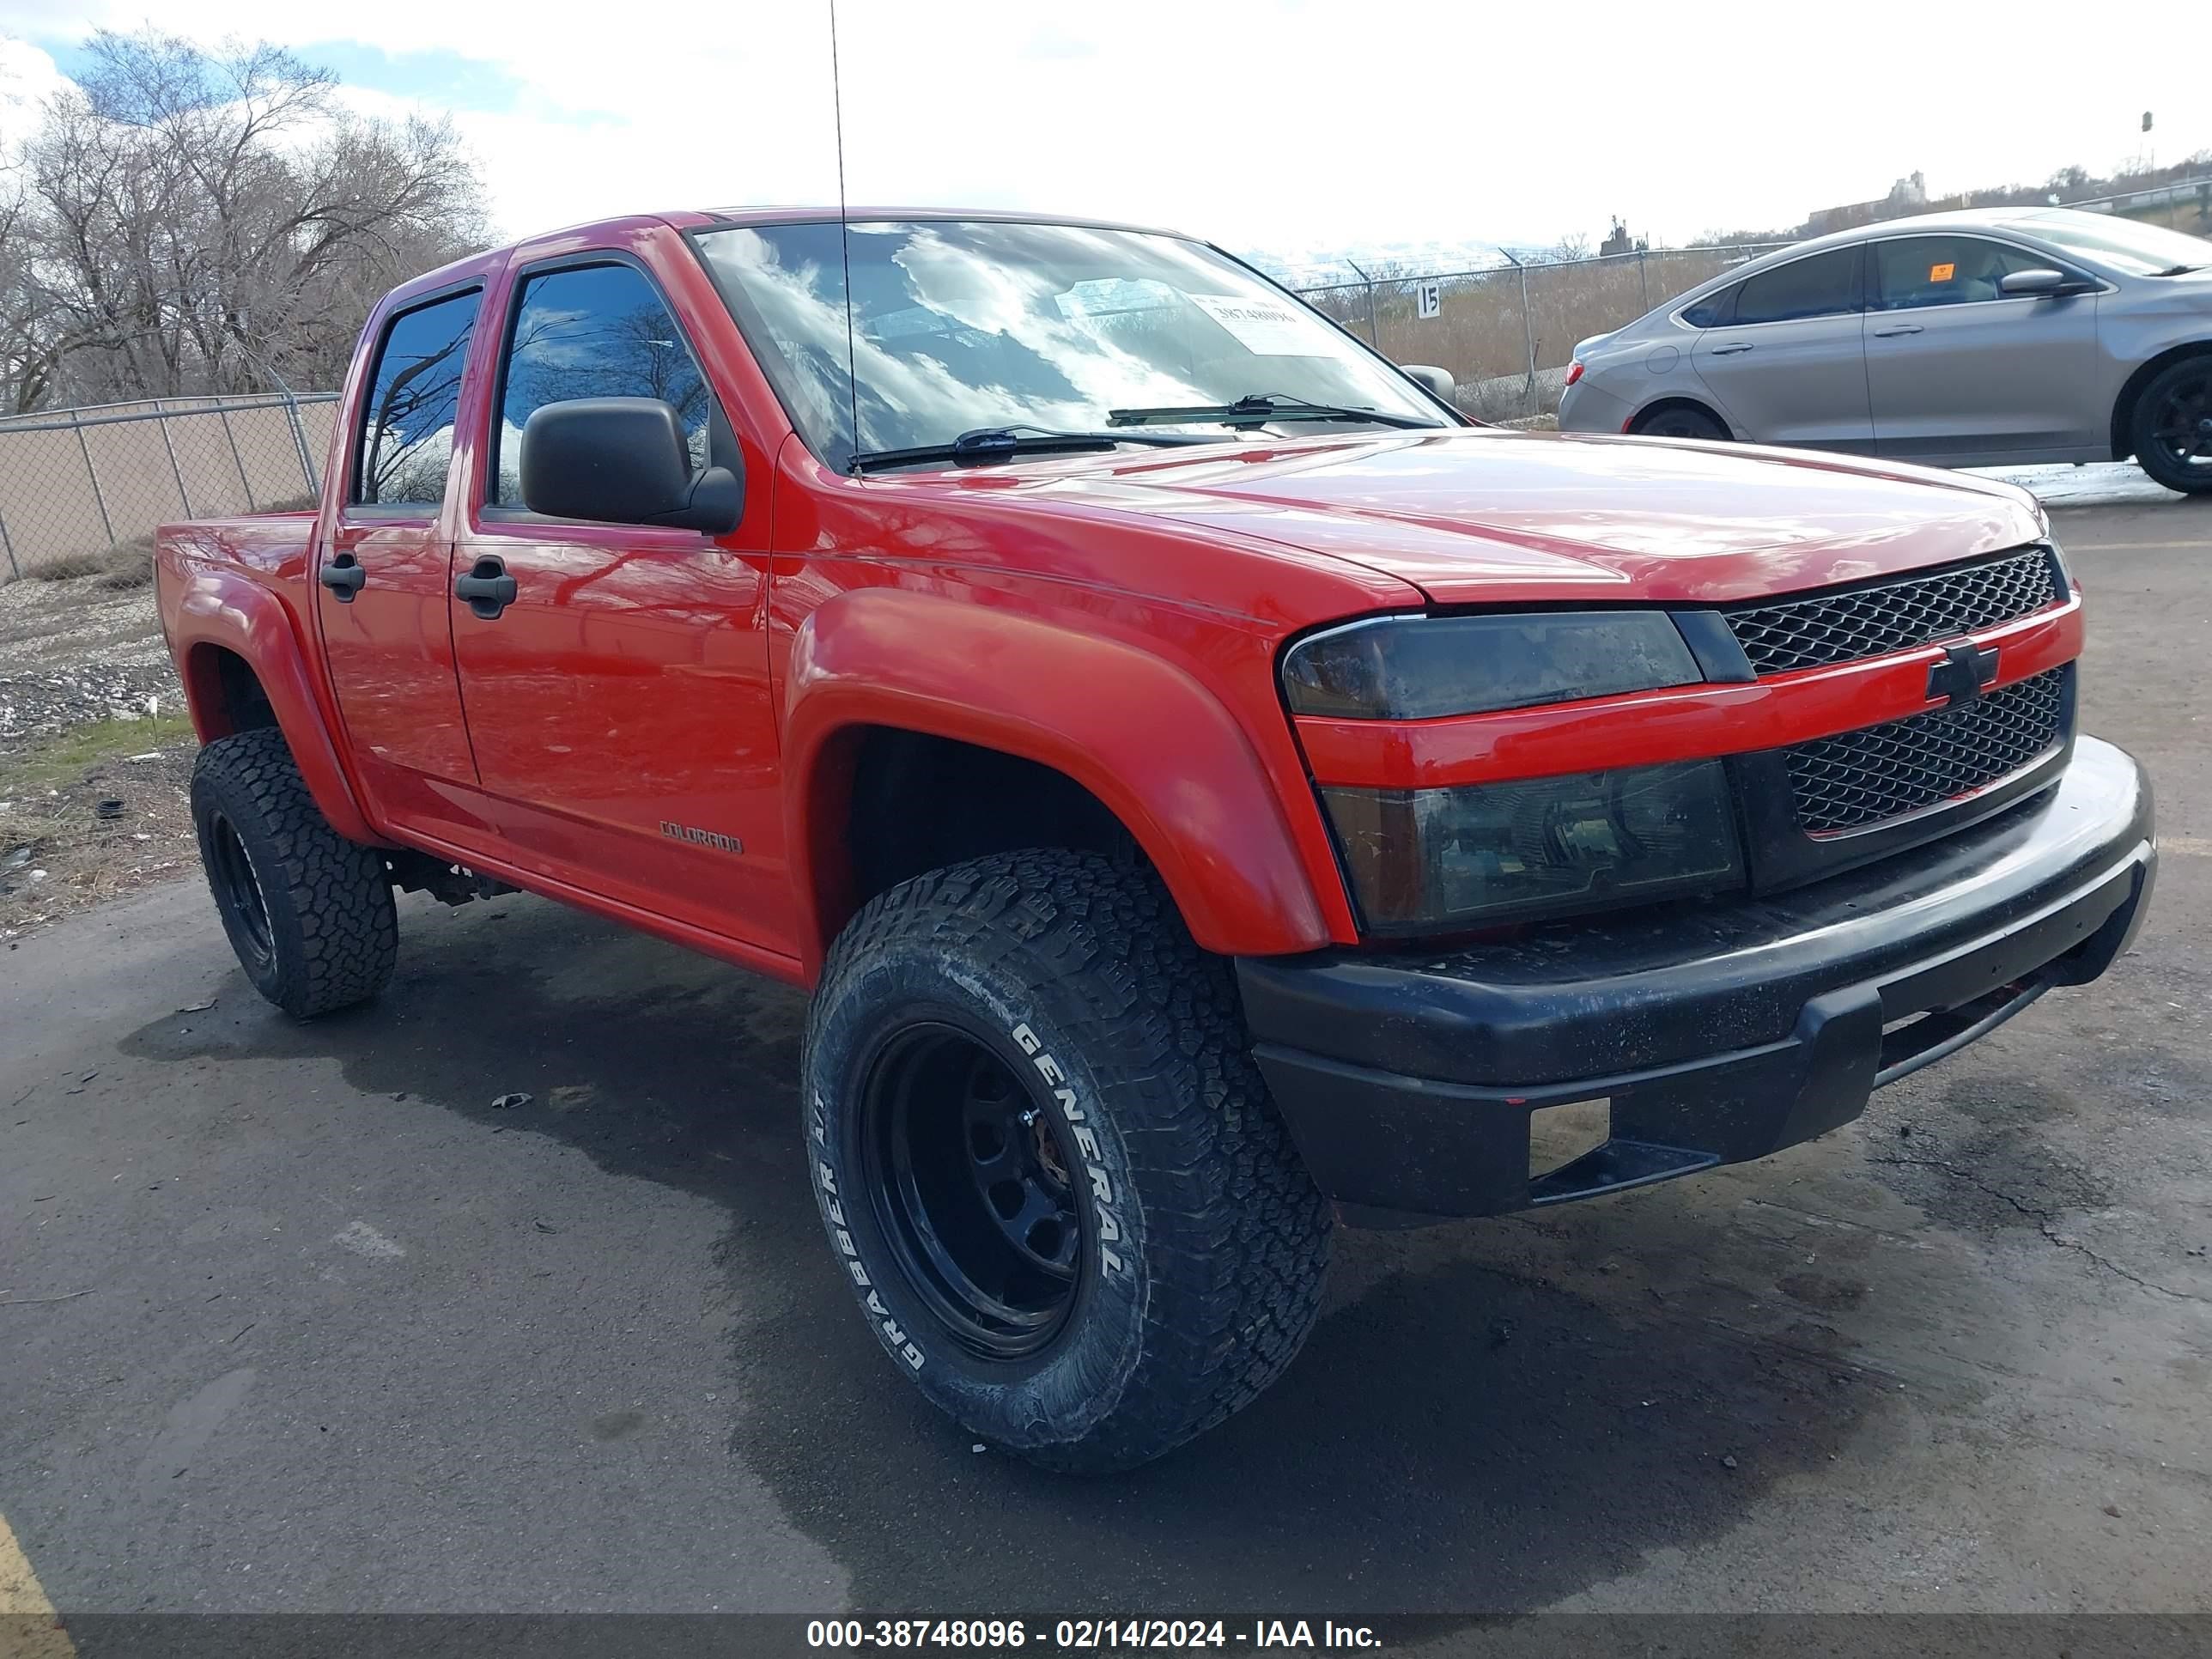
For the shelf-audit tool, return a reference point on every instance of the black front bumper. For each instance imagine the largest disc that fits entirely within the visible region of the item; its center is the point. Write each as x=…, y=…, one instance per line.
x=1717, y=1033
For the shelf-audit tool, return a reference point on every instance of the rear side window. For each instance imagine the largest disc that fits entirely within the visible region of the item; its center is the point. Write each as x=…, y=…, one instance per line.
x=1944, y=271
x=1820, y=285
x=1712, y=311
x=407, y=426
x=592, y=332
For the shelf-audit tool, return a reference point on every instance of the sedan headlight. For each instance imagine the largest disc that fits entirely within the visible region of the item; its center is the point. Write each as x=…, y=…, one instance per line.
x=1412, y=668
x=1435, y=859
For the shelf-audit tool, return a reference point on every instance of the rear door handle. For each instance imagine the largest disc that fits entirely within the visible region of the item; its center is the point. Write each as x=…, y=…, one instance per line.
x=1730, y=349
x=344, y=576
x=488, y=588
x=1895, y=329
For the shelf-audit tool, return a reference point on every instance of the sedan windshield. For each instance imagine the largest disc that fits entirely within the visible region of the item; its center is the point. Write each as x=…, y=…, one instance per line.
x=967, y=326
x=2130, y=248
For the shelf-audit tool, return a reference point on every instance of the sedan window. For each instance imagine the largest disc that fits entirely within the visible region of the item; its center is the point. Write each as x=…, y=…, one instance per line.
x=1912, y=271
x=1821, y=285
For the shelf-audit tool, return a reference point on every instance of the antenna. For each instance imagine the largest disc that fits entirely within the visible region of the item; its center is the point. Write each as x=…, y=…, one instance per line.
x=844, y=232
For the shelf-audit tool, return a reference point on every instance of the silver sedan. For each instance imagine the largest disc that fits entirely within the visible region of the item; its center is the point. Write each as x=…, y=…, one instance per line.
x=1983, y=337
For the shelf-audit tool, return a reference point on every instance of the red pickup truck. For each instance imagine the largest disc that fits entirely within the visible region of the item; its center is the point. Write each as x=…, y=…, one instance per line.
x=1210, y=789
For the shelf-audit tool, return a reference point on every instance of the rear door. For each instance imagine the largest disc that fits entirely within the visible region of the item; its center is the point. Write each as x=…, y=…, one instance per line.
x=619, y=703
x=1958, y=373
x=1786, y=365
x=381, y=587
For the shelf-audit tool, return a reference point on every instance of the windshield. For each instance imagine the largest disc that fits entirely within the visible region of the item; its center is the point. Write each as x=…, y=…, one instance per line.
x=966, y=324
x=2121, y=245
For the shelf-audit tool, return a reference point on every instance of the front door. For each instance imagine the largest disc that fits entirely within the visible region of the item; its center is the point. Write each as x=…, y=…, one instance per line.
x=1789, y=367
x=382, y=579
x=1960, y=373
x=619, y=703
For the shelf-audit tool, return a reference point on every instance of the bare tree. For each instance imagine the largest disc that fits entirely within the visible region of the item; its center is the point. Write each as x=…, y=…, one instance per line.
x=195, y=221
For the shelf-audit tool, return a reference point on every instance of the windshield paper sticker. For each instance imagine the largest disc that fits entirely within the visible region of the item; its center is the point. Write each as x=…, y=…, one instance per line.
x=1265, y=327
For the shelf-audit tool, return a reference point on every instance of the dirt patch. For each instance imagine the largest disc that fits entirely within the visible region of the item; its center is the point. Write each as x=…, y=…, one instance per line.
x=80, y=648
x=90, y=814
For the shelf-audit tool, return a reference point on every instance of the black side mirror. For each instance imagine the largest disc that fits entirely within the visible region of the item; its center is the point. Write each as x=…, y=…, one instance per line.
x=622, y=460
x=2041, y=281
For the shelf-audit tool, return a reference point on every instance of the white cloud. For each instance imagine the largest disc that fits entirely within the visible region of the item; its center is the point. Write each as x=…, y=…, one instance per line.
x=1272, y=125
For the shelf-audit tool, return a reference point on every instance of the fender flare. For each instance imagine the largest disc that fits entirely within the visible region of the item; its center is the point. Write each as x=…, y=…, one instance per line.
x=1158, y=749
x=218, y=611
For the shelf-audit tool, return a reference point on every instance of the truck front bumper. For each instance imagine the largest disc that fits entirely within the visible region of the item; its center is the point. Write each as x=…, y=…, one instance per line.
x=1719, y=1033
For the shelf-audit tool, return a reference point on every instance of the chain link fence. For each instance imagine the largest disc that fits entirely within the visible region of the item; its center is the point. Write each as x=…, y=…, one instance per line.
x=1507, y=333
x=77, y=484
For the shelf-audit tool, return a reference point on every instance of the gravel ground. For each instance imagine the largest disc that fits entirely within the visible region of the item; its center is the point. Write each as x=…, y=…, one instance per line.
x=75, y=651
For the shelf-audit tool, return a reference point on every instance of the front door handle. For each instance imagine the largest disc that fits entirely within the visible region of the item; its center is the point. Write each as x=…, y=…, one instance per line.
x=343, y=577
x=488, y=588
x=1896, y=328
x=1730, y=349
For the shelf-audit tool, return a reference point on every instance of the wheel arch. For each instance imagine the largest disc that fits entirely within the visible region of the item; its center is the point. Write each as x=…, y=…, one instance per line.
x=243, y=668
x=1658, y=406
x=1120, y=739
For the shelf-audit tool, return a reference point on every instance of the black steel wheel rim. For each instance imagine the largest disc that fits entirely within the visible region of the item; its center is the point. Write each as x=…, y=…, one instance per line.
x=2181, y=426
x=245, y=907
x=972, y=1179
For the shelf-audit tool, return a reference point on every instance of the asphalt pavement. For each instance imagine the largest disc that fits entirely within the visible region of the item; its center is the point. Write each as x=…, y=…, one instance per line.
x=295, y=1318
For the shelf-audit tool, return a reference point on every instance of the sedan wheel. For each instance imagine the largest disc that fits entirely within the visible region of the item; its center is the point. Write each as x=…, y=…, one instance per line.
x=2173, y=426
x=1682, y=422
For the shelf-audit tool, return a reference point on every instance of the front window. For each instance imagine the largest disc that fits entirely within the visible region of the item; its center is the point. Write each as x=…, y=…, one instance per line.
x=2122, y=245
x=1910, y=272
x=959, y=327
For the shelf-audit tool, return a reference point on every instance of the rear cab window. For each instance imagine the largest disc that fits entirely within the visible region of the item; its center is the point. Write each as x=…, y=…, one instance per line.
x=406, y=444
x=1818, y=285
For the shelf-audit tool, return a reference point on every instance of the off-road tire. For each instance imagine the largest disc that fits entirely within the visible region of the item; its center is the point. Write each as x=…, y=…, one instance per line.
x=1206, y=1240
x=2180, y=391
x=326, y=934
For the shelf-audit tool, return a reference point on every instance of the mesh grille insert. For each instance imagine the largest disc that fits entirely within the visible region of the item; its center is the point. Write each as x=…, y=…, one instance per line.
x=1864, y=777
x=1893, y=616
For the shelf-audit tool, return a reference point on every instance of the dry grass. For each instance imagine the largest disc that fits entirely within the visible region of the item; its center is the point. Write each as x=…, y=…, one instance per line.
x=126, y=566
x=59, y=855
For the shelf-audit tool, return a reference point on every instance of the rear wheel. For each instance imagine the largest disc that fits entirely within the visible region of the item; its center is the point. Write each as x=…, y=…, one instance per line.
x=1047, y=1164
x=1682, y=421
x=309, y=912
x=2172, y=428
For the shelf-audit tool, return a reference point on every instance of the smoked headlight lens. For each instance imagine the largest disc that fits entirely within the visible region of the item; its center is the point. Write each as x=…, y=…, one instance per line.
x=1434, y=859
x=1412, y=668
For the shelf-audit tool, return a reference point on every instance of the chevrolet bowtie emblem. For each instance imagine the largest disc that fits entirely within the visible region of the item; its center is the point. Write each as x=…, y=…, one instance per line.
x=1958, y=679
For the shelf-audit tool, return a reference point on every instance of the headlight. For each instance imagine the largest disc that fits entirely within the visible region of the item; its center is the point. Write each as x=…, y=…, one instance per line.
x=1431, y=860
x=1412, y=668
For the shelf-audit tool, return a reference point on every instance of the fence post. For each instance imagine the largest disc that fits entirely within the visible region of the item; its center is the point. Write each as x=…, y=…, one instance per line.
x=244, y=483
x=8, y=548
x=175, y=471
x=1374, y=328
x=1643, y=275
x=92, y=477
x=300, y=442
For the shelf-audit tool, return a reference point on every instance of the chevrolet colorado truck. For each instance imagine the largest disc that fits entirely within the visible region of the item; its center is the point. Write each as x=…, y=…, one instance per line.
x=1211, y=790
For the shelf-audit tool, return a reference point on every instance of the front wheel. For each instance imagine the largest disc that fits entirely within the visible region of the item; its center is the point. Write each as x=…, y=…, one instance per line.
x=2172, y=429
x=1047, y=1164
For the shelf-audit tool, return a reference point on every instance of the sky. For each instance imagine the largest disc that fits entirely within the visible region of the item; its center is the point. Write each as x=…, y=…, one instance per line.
x=1289, y=128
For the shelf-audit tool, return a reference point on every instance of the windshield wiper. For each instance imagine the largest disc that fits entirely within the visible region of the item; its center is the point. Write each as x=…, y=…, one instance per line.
x=2177, y=270
x=1261, y=408
x=986, y=445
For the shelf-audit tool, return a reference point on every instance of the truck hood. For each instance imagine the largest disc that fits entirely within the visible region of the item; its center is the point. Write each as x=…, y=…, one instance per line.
x=1483, y=515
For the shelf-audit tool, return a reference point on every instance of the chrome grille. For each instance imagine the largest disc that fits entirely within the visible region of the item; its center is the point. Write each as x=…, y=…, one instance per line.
x=1868, y=621
x=1882, y=772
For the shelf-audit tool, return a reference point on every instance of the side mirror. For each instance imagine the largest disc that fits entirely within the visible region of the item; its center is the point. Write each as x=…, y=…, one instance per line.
x=1438, y=381
x=622, y=460
x=2020, y=284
